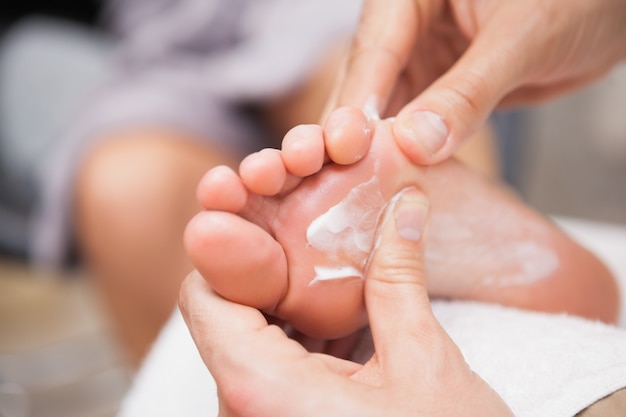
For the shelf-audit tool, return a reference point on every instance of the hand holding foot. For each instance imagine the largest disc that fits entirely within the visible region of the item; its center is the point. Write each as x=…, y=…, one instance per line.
x=297, y=247
x=255, y=364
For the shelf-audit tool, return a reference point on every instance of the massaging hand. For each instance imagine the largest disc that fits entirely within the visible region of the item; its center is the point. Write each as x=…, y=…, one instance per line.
x=416, y=370
x=454, y=61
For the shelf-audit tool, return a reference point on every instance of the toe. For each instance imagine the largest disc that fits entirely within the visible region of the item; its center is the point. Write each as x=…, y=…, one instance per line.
x=263, y=172
x=347, y=135
x=215, y=242
x=221, y=189
x=303, y=150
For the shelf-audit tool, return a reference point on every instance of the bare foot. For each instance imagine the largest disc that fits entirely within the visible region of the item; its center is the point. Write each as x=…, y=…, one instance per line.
x=292, y=236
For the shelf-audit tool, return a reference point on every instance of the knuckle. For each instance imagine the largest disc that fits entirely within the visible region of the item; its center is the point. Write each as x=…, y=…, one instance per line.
x=398, y=268
x=467, y=93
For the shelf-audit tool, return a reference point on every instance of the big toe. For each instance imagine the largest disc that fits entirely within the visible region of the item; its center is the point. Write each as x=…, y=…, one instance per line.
x=240, y=260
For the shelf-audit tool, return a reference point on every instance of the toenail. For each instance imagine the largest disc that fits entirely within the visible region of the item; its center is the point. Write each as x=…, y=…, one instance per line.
x=426, y=128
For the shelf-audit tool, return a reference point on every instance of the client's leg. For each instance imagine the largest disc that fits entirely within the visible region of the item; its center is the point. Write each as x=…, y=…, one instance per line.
x=134, y=196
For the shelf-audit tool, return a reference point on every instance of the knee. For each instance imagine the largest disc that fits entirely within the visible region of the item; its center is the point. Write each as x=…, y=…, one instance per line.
x=132, y=185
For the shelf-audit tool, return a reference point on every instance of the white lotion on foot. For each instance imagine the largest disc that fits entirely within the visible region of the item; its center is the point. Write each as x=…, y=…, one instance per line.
x=346, y=232
x=519, y=253
x=370, y=108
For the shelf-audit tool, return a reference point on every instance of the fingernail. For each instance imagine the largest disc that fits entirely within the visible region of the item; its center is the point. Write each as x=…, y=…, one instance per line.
x=426, y=128
x=411, y=216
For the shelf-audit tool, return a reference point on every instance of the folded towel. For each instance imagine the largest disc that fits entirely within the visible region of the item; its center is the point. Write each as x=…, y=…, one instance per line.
x=542, y=365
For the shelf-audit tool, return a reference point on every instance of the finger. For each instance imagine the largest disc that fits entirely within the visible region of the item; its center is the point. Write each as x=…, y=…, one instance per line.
x=212, y=320
x=430, y=128
x=218, y=325
x=254, y=364
x=395, y=286
x=380, y=51
x=236, y=343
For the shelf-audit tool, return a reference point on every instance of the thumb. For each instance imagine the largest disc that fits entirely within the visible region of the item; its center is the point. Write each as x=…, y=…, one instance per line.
x=436, y=123
x=395, y=287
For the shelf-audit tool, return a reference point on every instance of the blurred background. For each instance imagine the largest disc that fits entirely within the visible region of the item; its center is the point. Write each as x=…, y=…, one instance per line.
x=57, y=353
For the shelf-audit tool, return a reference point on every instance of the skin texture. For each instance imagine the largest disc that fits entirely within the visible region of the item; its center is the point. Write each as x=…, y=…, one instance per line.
x=416, y=365
x=459, y=59
x=481, y=241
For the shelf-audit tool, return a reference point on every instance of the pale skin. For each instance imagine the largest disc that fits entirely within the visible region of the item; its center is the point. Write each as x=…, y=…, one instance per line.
x=416, y=368
x=265, y=210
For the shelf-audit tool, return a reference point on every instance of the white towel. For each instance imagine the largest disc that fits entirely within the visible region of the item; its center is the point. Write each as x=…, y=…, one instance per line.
x=541, y=365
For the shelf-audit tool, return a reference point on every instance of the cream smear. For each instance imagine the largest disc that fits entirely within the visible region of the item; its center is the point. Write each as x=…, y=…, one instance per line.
x=518, y=254
x=346, y=232
x=370, y=108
